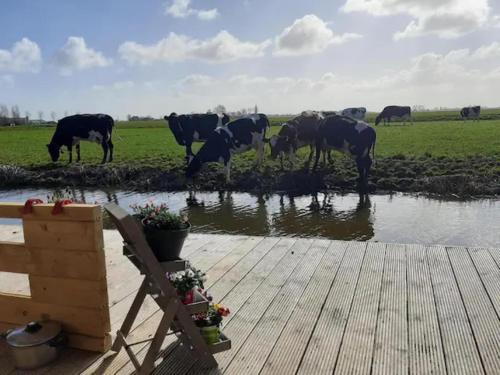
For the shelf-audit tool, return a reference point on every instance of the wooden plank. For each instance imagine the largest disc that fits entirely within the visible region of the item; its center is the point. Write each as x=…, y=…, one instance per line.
x=391, y=339
x=355, y=356
x=14, y=257
x=292, y=343
x=94, y=344
x=460, y=349
x=64, y=235
x=489, y=272
x=69, y=292
x=482, y=315
x=73, y=212
x=253, y=353
x=426, y=355
x=326, y=339
x=21, y=310
x=68, y=264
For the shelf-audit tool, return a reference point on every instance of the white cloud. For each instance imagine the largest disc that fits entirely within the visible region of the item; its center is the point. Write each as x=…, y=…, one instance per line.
x=308, y=35
x=181, y=9
x=119, y=85
x=444, y=18
x=75, y=55
x=24, y=56
x=221, y=48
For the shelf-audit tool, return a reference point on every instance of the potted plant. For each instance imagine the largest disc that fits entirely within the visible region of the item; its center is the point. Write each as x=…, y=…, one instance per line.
x=210, y=322
x=186, y=281
x=164, y=230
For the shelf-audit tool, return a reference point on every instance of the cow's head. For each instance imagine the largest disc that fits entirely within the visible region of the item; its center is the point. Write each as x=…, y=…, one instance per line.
x=193, y=167
x=54, y=151
x=278, y=145
x=174, y=123
x=378, y=119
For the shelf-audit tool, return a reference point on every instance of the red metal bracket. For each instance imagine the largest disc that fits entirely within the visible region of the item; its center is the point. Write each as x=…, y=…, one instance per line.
x=28, y=205
x=58, y=206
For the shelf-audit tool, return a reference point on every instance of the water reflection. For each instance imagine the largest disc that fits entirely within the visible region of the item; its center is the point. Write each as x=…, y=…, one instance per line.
x=387, y=218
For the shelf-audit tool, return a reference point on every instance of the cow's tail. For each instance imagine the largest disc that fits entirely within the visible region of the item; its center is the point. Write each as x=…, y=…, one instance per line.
x=373, y=148
x=268, y=127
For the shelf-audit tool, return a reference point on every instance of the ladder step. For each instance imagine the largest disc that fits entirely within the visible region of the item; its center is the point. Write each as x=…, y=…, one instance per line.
x=223, y=345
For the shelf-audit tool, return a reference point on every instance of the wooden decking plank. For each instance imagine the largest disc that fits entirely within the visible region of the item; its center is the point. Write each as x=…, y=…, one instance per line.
x=292, y=343
x=426, y=355
x=489, y=273
x=249, y=310
x=460, y=349
x=355, y=356
x=253, y=353
x=482, y=315
x=391, y=340
x=322, y=350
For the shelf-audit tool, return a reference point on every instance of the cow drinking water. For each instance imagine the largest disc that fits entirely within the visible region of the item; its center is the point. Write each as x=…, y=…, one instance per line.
x=354, y=138
x=194, y=128
x=71, y=130
x=236, y=137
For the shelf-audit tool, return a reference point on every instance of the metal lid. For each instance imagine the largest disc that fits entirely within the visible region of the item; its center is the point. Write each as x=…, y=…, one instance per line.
x=34, y=333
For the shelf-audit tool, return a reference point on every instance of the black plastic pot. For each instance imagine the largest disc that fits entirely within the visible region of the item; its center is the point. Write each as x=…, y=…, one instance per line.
x=166, y=244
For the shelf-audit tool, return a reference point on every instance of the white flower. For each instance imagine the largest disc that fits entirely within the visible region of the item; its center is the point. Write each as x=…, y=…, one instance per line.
x=190, y=273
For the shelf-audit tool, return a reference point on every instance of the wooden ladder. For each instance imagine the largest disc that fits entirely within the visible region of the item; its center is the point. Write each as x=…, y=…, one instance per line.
x=176, y=315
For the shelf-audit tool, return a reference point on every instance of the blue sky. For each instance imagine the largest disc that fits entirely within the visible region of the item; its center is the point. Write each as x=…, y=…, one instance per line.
x=155, y=57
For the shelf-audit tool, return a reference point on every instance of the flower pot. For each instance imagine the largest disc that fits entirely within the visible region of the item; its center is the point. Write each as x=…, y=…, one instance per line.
x=166, y=244
x=187, y=298
x=210, y=334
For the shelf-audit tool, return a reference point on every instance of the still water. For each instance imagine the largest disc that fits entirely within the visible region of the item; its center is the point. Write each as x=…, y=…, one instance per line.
x=397, y=218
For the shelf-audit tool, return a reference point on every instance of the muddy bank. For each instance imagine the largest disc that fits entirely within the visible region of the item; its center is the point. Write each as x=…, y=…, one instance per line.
x=478, y=176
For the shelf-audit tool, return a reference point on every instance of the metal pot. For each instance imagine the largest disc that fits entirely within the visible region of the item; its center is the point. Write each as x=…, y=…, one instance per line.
x=35, y=344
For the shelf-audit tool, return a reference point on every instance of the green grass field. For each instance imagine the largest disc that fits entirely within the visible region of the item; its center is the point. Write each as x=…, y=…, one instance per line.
x=152, y=144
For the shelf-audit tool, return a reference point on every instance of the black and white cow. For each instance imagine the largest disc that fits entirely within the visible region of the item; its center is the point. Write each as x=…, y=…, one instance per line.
x=194, y=128
x=353, y=137
x=394, y=113
x=236, y=137
x=471, y=113
x=355, y=113
x=71, y=130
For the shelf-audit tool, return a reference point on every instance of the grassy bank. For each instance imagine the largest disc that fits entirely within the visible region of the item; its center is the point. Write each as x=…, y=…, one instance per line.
x=434, y=156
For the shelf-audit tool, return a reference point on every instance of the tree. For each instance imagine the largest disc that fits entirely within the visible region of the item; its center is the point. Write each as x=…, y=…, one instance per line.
x=219, y=108
x=53, y=115
x=16, y=113
x=4, y=111
x=66, y=113
x=255, y=110
x=27, y=114
x=40, y=115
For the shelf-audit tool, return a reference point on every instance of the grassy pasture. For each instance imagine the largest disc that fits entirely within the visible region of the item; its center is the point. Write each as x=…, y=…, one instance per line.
x=152, y=144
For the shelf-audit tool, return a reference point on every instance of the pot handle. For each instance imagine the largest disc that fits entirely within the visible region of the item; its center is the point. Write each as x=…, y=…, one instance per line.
x=58, y=341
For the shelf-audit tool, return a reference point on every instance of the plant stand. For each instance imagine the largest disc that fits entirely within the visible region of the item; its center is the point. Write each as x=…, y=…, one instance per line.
x=176, y=316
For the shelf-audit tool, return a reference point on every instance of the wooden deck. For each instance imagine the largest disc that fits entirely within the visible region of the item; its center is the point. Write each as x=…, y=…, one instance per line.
x=313, y=306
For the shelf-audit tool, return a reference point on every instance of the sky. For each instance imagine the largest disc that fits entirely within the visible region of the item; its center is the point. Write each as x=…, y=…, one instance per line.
x=156, y=57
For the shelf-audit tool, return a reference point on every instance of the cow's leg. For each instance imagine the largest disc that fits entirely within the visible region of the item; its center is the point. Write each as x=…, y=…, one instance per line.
x=227, y=167
x=281, y=160
x=260, y=153
x=311, y=153
x=78, y=152
x=70, y=152
x=189, y=153
x=111, y=147
x=318, y=154
x=105, y=147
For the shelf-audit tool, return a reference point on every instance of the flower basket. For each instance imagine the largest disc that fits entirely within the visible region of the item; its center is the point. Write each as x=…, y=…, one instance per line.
x=186, y=298
x=210, y=334
x=165, y=231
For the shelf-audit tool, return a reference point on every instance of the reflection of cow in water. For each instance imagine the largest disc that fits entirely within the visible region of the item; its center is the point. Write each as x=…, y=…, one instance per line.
x=245, y=215
x=321, y=219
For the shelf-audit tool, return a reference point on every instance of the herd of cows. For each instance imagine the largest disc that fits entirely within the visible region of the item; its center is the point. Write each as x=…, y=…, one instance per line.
x=321, y=131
